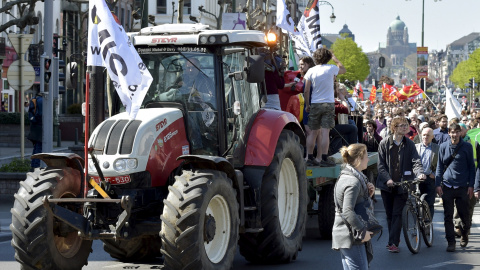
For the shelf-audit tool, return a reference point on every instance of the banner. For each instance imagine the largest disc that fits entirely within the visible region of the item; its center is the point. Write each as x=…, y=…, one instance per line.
x=373, y=94
x=409, y=92
x=234, y=21
x=292, y=62
x=284, y=19
x=301, y=47
x=309, y=26
x=128, y=73
x=422, y=62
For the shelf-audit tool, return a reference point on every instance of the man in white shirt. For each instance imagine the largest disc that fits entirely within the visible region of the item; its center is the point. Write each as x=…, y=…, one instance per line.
x=321, y=107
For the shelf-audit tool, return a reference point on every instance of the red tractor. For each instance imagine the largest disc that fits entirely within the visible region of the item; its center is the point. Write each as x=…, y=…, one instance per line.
x=201, y=170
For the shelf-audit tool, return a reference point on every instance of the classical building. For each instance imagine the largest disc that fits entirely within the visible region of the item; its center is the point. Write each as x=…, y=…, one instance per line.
x=397, y=47
x=459, y=51
x=329, y=39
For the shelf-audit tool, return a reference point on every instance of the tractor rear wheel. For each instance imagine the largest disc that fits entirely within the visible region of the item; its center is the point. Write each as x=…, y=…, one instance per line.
x=200, y=221
x=40, y=240
x=136, y=249
x=284, y=200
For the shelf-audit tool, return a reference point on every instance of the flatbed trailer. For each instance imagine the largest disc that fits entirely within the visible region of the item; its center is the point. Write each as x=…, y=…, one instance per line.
x=321, y=182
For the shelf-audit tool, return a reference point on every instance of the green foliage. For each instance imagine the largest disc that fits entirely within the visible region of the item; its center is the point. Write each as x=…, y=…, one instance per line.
x=17, y=165
x=12, y=118
x=74, y=109
x=353, y=59
x=466, y=70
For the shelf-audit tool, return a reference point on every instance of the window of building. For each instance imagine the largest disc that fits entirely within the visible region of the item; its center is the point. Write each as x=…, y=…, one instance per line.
x=187, y=6
x=161, y=6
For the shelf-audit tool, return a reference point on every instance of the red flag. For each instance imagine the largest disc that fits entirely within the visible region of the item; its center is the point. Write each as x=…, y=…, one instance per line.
x=409, y=91
x=373, y=94
x=388, y=92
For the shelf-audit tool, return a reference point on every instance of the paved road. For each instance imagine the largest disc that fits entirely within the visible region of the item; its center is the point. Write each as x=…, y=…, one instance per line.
x=317, y=253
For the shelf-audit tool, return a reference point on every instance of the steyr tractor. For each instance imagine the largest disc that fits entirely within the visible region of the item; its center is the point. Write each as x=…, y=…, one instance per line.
x=201, y=170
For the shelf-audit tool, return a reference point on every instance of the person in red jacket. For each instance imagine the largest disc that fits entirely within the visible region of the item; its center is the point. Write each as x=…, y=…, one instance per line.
x=342, y=134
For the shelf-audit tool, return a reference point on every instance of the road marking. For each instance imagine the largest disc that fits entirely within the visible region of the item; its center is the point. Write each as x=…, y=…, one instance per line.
x=442, y=264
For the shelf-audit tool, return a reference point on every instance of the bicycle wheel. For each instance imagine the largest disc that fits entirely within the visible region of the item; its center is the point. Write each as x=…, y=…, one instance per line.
x=427, y=228
x=411, y=229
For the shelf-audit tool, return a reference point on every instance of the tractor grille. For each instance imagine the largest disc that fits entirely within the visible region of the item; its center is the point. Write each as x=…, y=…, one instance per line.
x=116, y=136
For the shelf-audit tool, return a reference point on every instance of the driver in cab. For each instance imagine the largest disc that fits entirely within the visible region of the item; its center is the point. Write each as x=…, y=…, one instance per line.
x=195, y=83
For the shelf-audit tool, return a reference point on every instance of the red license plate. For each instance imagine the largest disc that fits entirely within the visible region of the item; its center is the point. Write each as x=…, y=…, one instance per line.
x=114, y=180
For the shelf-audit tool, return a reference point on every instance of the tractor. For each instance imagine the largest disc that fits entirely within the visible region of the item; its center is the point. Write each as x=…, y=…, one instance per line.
x=201, y=171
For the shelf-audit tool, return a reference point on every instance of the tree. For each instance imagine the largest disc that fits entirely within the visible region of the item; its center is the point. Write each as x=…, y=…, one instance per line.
x=386, y=80
x=26, y=10
x=467, y=69
x=353, y=58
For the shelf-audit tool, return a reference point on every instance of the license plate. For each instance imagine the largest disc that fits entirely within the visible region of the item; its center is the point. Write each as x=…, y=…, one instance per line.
x=114, y=180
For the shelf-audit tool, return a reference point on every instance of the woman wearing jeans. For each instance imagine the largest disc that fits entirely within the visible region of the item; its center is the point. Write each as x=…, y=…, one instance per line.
x=350, y=190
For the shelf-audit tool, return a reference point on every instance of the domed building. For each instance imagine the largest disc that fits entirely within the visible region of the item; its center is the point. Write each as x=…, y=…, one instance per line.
x=397, y=46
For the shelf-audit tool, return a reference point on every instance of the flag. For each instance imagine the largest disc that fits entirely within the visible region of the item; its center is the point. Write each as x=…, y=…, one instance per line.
x=409, y=92
x=360, y=90
x=388, y=92
x=128, y=73
x=301, y=47
x=292, y=62
x=453, y=107
x=373, y=94
x=309, y=26
x=284, y=19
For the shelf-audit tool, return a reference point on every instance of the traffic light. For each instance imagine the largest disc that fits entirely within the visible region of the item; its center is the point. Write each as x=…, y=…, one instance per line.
x=470, y=83
x=47, y=72
x=71, y=75
x=61, y=77
x=381, y=62
x=55, y=45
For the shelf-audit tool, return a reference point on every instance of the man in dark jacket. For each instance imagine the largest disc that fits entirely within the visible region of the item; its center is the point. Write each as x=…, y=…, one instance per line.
x=35, y=109
x=398, y=160
x=454, y=181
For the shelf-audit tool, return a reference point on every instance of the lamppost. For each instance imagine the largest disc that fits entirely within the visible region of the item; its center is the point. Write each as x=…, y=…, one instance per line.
x=332, y=17
x=423, y=16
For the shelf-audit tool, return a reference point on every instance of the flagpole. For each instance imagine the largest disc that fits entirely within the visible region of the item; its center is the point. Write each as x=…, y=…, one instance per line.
x=429, y=99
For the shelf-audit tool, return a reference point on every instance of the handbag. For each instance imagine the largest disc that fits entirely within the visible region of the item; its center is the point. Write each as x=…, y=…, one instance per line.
x=365, y=211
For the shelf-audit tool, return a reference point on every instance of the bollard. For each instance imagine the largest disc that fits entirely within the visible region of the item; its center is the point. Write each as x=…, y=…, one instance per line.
x=76, y=136
x=59, y=138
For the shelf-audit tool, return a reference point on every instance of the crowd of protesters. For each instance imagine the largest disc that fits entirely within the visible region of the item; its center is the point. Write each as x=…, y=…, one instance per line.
x=414, y=139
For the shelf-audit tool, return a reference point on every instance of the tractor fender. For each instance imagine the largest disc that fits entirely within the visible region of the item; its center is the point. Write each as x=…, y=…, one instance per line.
x=264, y=135
x=62, y=160
x=211, y=162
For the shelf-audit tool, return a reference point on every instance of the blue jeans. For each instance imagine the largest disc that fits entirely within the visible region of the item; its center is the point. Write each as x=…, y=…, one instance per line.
x=354, y=258
x=37, y=148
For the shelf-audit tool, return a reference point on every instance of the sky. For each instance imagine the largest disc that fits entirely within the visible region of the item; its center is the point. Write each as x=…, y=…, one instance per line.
x=445, y=20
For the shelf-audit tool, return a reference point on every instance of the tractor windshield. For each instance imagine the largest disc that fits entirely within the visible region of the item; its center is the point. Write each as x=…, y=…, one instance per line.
x=180, y=76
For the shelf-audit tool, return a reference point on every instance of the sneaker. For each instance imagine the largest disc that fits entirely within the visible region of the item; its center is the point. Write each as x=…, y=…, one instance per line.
x=451, y=247
x=464, y=239
x=326, y=163
x=313, y=162
x=394, y=249
x=388, y=246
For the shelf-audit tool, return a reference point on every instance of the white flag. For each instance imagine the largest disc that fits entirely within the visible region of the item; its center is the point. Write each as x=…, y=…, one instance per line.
x=284, y=19
x=309, y=27
x=453, y=107
x=129, y=74
x=93, y=51
x=301, y=47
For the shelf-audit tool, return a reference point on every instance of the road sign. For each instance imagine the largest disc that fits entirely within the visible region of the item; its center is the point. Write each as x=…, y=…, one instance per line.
x=15, y=40
x=28, y=75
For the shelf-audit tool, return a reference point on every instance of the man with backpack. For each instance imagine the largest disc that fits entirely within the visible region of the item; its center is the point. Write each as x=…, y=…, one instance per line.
x=35, y=116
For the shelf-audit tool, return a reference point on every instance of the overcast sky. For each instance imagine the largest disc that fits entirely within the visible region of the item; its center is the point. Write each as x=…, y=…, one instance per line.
x=445, y=20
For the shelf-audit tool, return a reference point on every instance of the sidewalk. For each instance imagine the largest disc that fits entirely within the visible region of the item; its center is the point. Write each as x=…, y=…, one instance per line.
x=7, y=154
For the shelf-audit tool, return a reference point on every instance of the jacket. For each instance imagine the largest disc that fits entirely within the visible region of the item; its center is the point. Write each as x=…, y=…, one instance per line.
x=410, y=163
x=433, y=157
x=349, y=192
x=461, y=171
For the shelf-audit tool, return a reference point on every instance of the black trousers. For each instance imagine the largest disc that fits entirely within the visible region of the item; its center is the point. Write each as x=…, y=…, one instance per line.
x=452, y=197
x=428, y=186
x=394, y=203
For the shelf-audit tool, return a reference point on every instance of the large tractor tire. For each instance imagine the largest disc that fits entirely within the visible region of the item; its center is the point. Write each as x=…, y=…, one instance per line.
x=284, y=201
x=200, y=221
x=136, y=249
x=40, y=240
x=326, y=212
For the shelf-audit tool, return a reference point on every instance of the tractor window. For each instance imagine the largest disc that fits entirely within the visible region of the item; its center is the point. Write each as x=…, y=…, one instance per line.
x=242, y=91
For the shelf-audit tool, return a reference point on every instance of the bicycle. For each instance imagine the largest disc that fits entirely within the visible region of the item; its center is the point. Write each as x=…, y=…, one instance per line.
x=416, y=217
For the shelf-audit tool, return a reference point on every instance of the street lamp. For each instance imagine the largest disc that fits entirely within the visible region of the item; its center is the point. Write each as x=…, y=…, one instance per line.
x=423, y=15
x=332, y=17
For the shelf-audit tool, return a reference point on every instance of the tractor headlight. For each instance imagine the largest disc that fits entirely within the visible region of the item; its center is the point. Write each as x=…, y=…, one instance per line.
x=125, y=164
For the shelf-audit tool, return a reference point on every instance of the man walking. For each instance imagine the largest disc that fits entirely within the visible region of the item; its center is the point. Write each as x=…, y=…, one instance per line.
x=428, y=152
x=441, y=133
x=397, y=161
x=454, y=181
x=322, y=107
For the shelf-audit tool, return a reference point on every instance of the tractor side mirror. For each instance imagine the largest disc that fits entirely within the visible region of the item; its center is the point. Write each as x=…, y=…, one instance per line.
x=255, y=69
